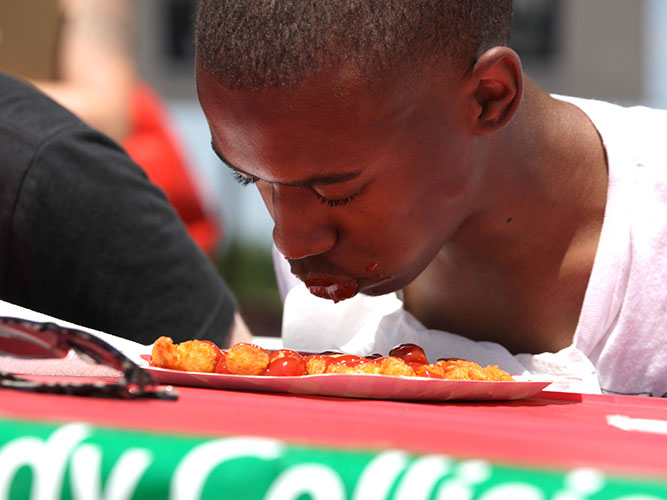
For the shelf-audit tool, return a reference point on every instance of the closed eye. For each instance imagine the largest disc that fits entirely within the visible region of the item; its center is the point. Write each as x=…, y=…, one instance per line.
x=242, y=179
x=246, y=180
x=334, y=203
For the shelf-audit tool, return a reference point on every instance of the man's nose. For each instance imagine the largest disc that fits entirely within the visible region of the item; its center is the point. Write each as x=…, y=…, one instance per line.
x=301, y=227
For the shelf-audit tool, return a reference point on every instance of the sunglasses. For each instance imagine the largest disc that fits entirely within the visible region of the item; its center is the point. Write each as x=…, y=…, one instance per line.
x=23, y=338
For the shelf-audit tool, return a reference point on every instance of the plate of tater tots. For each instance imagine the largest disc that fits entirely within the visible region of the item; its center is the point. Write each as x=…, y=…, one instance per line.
x=403, y=374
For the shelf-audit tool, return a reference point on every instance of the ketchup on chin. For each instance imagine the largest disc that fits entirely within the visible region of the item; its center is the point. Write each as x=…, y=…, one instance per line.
x=334, y=291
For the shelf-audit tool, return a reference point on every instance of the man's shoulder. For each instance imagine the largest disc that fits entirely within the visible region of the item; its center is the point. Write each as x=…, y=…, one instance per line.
x=29, y=115
x=624, y=116
x=39, y=136
x=636, y=132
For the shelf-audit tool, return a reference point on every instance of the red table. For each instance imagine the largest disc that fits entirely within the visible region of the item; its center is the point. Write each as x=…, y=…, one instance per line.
x=550, y=440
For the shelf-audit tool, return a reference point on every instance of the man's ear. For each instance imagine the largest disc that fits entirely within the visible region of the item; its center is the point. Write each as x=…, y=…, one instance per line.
x=496, y=83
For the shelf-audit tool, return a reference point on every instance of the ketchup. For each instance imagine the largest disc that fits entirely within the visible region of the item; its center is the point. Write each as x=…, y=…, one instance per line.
x=336, y=291
x=410, y=353
x=221, y=366
x=286, y=366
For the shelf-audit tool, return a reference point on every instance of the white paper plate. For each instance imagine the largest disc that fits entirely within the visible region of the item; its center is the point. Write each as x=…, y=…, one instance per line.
x=361, y=385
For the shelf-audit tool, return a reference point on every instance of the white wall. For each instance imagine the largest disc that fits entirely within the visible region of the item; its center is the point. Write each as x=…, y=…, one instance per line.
x=655, y=47
x=601, y=51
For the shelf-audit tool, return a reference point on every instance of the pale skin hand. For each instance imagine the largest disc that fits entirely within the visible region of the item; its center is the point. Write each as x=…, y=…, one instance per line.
x=95, y=65
x=239, y=331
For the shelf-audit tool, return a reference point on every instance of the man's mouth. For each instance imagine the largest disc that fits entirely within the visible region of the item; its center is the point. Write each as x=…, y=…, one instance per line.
x=334, y=290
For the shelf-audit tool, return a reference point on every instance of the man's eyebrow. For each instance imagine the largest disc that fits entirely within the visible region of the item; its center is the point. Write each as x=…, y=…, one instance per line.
x=316, y=180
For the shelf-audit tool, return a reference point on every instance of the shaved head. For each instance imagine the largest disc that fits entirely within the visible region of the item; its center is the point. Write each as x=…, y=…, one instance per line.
x=251, y=44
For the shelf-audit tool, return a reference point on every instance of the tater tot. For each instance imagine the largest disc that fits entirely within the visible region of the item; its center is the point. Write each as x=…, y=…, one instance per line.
x=363, y=366
x=316, y=364
x=459, y=367
x=191, y=355
x=250, y=359
x=432, y=370
x=391, y=365
x=247, y=359
x=493, y=372
x=457, y=373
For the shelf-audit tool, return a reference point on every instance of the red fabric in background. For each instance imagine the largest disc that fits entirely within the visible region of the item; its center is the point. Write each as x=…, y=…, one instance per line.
x=548, y=431
x=152, y=145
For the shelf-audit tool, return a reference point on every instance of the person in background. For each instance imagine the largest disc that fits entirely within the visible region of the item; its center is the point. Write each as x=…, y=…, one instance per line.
x=80, y=53
x=86, y=237
x=399, y=147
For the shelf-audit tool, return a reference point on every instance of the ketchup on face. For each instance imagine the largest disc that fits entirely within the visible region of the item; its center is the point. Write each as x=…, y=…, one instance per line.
x=334, y=291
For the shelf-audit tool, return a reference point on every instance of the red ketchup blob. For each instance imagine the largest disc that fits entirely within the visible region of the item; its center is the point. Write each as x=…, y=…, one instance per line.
x=284, y=353
x=221, y=367
x=286, y=366
x=218, y=352
x=410, y=353
x=334, y=291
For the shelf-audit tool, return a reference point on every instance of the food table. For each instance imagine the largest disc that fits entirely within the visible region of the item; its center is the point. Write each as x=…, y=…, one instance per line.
x=213, y=443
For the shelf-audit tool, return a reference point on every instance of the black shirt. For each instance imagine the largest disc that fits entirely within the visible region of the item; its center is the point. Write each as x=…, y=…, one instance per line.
x=85, y=237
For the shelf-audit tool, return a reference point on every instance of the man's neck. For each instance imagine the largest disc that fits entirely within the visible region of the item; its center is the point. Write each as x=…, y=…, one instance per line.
x=516, y=271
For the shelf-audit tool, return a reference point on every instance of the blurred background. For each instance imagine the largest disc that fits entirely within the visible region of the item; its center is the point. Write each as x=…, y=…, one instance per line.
x=614, y=50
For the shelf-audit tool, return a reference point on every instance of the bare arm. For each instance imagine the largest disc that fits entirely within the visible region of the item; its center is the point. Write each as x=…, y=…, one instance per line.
x=239, y=331
x=95, y=64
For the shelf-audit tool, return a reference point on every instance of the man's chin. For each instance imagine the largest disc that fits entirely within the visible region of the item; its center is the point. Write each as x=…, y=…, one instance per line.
x=347, y=289
x=388, y=285
x=334, y=291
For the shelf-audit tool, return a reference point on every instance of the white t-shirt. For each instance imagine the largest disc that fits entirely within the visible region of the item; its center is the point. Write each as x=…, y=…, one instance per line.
x=623, y=323
x=621, y=337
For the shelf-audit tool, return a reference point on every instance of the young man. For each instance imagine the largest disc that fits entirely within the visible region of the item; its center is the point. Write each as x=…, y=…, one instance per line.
x=88, y=239
x=398, y=146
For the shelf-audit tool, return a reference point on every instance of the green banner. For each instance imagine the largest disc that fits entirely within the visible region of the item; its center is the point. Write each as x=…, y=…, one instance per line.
x=77, y=461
